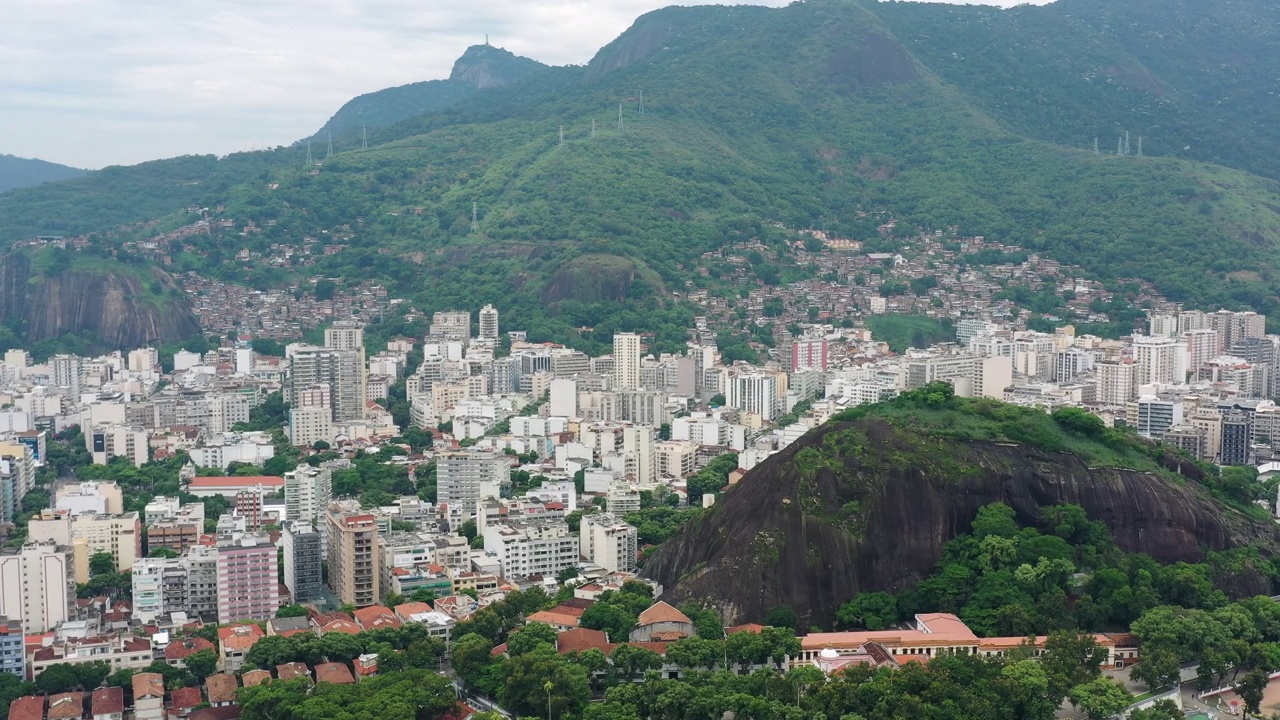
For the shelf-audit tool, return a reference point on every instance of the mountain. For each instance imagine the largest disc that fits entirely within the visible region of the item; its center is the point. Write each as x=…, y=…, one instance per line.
x=50, y=293
x=16, y=172
x=481, y=67
x=736, y=118
x=866, y=502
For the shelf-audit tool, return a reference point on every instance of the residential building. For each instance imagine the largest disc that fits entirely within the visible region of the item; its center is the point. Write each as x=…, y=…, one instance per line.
x=234, y=641
x=465, y=476
x=1237, y=439
x=110, y=441
x=525, y=548
x=1152, y=416
x=13, y=655
x=755, y=393
x=248, y=577
x=607, y=541
x=17, y=478
x=342, y=371
x=488, y=323
x=626, y=361
x=91, y=533
x=307, y=493
x=303, y=559
x=353, y=556
x=37, y=584
x=1159, y=360
x=148, y=696
x=1115, y=381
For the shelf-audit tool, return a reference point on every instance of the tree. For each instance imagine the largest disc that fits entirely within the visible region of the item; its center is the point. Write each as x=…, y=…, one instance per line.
x=531, y=637
x=871, y=611
x=162, y=552
x=1162, y=710
x=101, y=563
x=536, y=678
x=784, y=616
x=291, y=611
x=615, y=621
x=1101, y=698
x=202, y=663
x=471, y=656
x=1250, y=689
x=1070, y=658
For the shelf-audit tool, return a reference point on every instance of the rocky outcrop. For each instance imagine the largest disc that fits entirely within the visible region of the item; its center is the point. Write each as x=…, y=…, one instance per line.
x=485, y=66
x=118, y=309
x=807, y=531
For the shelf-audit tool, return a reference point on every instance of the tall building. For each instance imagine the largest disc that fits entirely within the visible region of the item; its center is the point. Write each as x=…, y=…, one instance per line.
x=626, y=361
x=452, y=324
x=345, y=335
x=1159, y=360
x=1152, y=416
x=248, y=578
x=303, y=559
x=1115, y=382
x=524, y=548
x=755, y=393
x=465, y=476
x=609, y=542
x=13, y=656
x=68, y=372
x=353, y=556
x=17, y=478
x=1237, y=439
x=37, y=584
x=89, y=533
x=342, y=370
x=1070, y=364
x=489, y=322
x=307, y=493
x=809, y=353
x=1203, y=345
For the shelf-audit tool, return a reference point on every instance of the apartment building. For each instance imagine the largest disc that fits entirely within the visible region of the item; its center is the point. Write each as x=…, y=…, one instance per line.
x=607, y=541
x=303, y=557
x=465, y=476
x=525, y=548
x=248, y=578
x=37, y=584
x=353, y=556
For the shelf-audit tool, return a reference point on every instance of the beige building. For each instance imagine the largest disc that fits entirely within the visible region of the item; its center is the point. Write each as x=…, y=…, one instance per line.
x=89, y=533
x=608, y=542
x=353, y=556
x=626, y=361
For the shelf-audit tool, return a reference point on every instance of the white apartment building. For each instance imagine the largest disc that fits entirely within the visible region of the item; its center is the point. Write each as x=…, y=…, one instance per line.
x=37, y=584
x=488, y=323
x=310, y=425
x=626, y=361
x=527, y=548
x=307, y=493
x=608, y=542
x=106, y=442
x=17, y=478
x=465, y=476
x=755, y=393
x=1115, y=381
x=675, y=458
x=1152, y=416
x=226, y=448
x=1159, y=360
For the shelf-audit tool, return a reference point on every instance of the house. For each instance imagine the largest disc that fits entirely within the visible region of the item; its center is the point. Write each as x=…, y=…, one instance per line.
x=107, y=703
x=234, y=641
x=334, y=674
x=254, y=678
x=27, y=707
x=376, y=616
x=289, y=671
x=580, y=639
x=226, y=712
x=220, y=689
x=177, y=651
x=339, y=626
x=183, y=700
x=406, y=611
x=661, y=622
x=148, y=696
x=66, y=706
x=284, y=627
x=366, y=665
x=560, y=617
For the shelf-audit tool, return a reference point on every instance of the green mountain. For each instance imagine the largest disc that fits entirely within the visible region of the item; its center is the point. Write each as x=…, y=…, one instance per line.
x=706, y=125
x=16, y=172
x=481, y=67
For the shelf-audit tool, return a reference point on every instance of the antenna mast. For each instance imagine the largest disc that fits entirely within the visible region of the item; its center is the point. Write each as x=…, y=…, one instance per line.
x=1095, y=146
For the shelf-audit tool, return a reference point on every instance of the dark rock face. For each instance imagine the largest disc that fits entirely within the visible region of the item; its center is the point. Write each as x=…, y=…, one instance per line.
x=811, y=539
x=591, y=278
x=485, y=66
x=120, y=310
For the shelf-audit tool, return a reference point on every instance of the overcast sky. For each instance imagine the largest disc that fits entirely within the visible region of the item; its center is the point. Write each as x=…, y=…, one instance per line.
x=101, y=82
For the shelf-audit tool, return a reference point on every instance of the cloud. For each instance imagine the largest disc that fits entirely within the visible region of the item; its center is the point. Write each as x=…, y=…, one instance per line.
x=98, y=82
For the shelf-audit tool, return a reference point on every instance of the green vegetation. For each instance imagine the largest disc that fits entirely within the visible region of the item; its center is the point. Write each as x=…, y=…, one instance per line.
x=16, y=172
x=910, y=331
x=411, y=693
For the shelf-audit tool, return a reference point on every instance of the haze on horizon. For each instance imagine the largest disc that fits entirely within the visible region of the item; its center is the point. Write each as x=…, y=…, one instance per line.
x=91, y=83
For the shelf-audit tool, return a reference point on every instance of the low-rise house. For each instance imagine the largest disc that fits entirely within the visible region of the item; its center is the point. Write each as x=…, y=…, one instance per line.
x=254, y=678
x=662, y=623
x=176, y=652
x=183, y=700
x=65, y=706
x=334, y=674
x=339, y=625
x=27, y=707
x=284, y=627
x=107, y=704
x=220, y=689
x=148, y=696
x=374, y=617
x=234, y=642
x=120, y=651
x=366, y=666
x=289, y=671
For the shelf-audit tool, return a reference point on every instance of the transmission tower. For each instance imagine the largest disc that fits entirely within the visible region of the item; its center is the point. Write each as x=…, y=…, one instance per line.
x=641, y=102
x=593, y=127
x=1095, y=146
x=309, y=160
x=330, y=153
x=364, y=137
x=1139, y=146
x=1126, y=143
x=561, y=136
x=475, y=217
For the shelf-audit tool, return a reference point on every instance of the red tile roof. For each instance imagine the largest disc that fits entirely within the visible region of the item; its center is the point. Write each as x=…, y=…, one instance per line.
x=185, y=698
x=148, y=685
x=239, y=637
x=289, y=671
x=180, y=649
x=244, y=481
x=220, y=688
x=253, y=678
x=334, y=674
x=27, y=707
x=65, y=706
x=580, y=639
x=376, y=616
x=661, y=612
x=106, y=701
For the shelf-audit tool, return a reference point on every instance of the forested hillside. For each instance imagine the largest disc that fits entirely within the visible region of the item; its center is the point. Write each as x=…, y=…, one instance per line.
x=702, y=126
x=16, y=172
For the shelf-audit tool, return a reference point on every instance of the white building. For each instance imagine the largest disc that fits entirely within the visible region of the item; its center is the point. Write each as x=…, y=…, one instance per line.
x=626, y=361
x=307, y=493
x=465, y=476
x=528, y=548
x=489, y=322
x=37, y=584
x=608, y=542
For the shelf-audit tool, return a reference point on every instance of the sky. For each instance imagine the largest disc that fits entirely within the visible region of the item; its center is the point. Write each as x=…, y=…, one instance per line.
x=91, y=83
